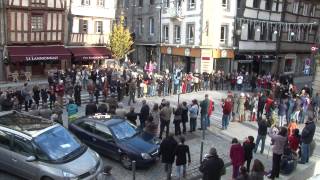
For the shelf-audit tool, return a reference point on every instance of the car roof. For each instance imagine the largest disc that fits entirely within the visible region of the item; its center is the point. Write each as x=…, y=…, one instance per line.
x=24, y=125
x=103, y=119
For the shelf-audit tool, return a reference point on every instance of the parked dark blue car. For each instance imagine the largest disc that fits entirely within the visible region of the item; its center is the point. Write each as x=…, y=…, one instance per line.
x=117, y=138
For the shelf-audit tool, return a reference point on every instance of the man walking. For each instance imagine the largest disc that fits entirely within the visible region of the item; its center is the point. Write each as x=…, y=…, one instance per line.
x=212, y=167
x=204, y=105
x=306, y=139
x=144, y=113
x=165, y=116
x=167, y=152
x=132, y=91
x=262, y=133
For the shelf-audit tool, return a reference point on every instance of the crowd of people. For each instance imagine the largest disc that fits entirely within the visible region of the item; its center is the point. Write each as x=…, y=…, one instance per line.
x=274, y=103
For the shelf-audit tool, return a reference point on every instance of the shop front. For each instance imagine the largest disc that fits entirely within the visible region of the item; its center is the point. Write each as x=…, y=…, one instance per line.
x=180, y=58
x=35, y=60
x=223, y=60
x=90, y=56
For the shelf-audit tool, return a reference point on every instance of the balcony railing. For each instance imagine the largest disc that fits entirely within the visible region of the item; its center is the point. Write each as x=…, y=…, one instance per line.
x=89, y=39
x=175, y=12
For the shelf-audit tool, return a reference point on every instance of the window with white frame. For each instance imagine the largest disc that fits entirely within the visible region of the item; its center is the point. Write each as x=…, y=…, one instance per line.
x=223, y=34
x=83, y=26
x=295, y=8
x=177, y=34
x=140, y=26
x=191, y=4
x=190, y=33
x=36, y=23
x=313, y=11
x=98, y=27
x=165, y=33
x=100, y=2
x=305, y=10
x=225, y=4
x=85, y=2
x=151, y=26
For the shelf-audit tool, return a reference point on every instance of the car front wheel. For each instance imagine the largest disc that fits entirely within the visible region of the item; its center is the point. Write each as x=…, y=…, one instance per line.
x=126, y=161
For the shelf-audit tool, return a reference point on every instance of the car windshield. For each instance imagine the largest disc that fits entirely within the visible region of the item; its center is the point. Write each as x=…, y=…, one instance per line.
x=123, y=130
x=57, y=143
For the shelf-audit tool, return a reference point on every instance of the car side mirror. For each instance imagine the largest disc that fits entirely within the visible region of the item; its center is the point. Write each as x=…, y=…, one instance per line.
x=31, y=158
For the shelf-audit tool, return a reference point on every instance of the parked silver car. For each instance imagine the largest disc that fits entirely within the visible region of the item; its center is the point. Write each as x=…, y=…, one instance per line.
x=35, y=148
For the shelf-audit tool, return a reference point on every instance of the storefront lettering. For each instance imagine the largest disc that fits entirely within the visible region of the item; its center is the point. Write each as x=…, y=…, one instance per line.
x=94, y=57
x=41, y=58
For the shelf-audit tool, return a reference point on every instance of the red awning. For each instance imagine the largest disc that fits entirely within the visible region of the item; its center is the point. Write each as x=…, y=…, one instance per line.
x=90, y=53
x=37, y=53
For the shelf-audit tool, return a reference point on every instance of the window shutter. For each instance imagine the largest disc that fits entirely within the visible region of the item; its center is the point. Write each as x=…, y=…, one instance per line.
x=80, y=26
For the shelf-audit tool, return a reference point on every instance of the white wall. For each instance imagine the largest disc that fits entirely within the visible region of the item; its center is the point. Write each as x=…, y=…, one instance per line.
x=108, y=11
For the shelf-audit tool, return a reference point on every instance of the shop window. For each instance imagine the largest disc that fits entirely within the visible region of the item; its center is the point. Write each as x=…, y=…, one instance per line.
x=36, y=23
x=100, y=3
x=190, y=33
x=269, y=5
x=191, y=4
x=85, y=2
x=98, y=27
x=177, y=33
x=256, y=3
x=151, y=26
x=251, y=31
x=223, y=34
x=165, y=33
x=83, y=26
x=288, y=66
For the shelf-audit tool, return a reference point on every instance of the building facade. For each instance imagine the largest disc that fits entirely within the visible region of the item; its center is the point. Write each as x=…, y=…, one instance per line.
x=276, y=36
x=35, y=31
x=142, y=17
x=2, y=39
x=90, y=25
x=195, y=38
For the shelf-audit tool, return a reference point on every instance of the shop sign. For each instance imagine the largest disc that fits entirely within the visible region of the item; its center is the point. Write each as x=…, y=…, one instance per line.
x=224, y=54
x=187, y=51
x=41, y=58
x=94, y=57
x=169, y=50
x=206, y=64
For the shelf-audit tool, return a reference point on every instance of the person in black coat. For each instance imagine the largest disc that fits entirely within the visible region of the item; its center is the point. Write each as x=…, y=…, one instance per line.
x=77, y=94
x=36, y=94
x=262, y=134
x=248, y=147
x=306, y=139
x=184, y=117
x=103, y=108
x=144, y=113
x=212, y=167
x=167, y=152
x=132, y=116
x=91, y=109
x=44, y=95
x=181, y=153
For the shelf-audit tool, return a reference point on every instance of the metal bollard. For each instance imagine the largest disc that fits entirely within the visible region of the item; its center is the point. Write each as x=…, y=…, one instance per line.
x=134, y=170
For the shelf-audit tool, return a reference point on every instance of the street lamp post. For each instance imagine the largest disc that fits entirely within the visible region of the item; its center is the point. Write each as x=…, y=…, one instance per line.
x=160, y=36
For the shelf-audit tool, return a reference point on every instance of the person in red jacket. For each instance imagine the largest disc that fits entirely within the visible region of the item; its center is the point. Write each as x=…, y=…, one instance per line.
x=294, y=141
x=236, y=156
x=227, y=108
x=268, y=105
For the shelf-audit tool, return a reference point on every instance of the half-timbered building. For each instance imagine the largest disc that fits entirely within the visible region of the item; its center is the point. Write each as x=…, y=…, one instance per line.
x=2, y=38
x=35, y=36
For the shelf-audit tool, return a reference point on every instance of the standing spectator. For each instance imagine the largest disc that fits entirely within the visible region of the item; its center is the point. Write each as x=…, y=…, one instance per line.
x=167, y=152
x=282, y=110
x=204, y=112
x=151, y=128
x=261, y=103
x=236, y=156
x=194, y=111
x=184, y=117
x=132, y=116
x=91, y=109
x=181, y=153
x=52, y=96
x=91, y=90
x=177, y=120
x=60, y=92
x=36, y=94
x=44, y=95
x=306, y=139
x=26, y=96
x=294, y=141
x=257, y=171
x=279, y=141
x=85, y=77
x=241, y=107
x=239, y=81
x=212, y=167
x=155, y=113
x=105, y=90
x=292, y=126
x=144, y=113
x=262, y=134
x=77, y=93
x=248, y=147
x=132, y=91
x=97, y=93
x=72, y=110
x=165, y=116
x=290, y=110
x=226, y=109
x=315, y=105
